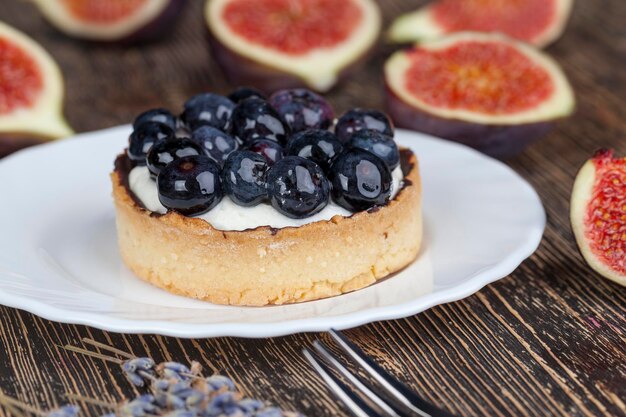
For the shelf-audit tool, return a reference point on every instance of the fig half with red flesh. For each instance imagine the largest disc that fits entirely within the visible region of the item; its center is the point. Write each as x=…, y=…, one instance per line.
x=538, y=22
x=276, y=44
x=123, y=21
x=486, y=91
x=31, y=93
x=598, y=214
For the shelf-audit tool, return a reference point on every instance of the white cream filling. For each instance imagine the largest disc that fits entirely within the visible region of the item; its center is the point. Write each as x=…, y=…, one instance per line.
x=229, y=216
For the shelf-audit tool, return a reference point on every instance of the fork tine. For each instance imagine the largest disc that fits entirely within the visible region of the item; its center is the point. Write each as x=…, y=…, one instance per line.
x=353, y=402
x=395, y=388
x=360, y=385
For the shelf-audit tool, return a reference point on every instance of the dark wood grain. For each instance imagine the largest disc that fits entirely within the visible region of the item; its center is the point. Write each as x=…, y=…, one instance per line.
x=548, y=340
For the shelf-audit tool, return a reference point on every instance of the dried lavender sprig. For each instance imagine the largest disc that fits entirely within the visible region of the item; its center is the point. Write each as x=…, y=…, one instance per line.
x=14, y=410
x=142, y=406
x=10, y=401
x=181, y=413
x=86, y=352
x=231, y=404
x=220, y=382
x=107, y=347
x=177, y=395
x=16, y=406
x=140, y=370
x=182, y=389
x=137, y=370
x=169, y=369
x=179, y=371
x=65, y=411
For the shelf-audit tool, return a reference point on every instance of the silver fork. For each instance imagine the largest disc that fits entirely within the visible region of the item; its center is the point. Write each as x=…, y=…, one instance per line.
x=389, y=397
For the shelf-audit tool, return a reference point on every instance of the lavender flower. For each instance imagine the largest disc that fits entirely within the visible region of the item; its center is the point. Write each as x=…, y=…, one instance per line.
x=270, y=412
x=141, y=406
x=250, y=405
x=275, y=412
x=138, y=370
x=177, y=394
x=220, y=382
x=181, y=413
x=174, y=370
x=65, y=411
x=224, y=404
x=181, y=390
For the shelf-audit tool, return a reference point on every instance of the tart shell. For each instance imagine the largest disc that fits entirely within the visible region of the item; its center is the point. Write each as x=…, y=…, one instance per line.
x=261, y=266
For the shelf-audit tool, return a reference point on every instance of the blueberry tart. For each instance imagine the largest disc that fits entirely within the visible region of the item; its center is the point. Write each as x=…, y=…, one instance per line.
x=254, y=201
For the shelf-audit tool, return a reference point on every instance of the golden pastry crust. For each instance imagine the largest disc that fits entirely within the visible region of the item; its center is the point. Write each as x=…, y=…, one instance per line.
x=262, y=266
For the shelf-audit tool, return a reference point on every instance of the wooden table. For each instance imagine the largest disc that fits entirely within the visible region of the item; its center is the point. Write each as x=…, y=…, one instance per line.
x=548, y=340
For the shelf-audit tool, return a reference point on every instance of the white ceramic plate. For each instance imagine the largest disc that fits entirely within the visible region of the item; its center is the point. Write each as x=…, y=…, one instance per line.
x=59, y=257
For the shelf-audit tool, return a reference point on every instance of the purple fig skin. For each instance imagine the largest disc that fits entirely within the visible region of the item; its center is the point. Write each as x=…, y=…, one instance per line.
x=240, y=70
x=498, y=141
x=156, y=28
x=13, y=142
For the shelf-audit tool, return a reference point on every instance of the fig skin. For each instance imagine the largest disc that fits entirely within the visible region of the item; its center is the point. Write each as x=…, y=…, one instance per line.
x=240, y=70
x=498, y=141
x=13, y=142
x=157, y=28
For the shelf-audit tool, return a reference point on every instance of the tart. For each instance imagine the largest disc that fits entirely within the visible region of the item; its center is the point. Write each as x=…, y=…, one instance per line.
x=331, y=242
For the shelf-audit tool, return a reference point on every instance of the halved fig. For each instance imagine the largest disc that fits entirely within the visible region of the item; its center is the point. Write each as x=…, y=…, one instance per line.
x=277, y=44
x=538, y=22
x=598, y=214
x=486, y=91
x=31, y=93
x=111, y=21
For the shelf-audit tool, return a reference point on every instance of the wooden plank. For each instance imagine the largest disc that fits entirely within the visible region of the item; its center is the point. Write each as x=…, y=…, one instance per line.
x=548, y=340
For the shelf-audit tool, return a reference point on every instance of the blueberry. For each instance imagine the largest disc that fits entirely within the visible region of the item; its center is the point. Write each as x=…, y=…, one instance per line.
x=302, y=109
x=142, y=139
x=379, y=144
x=297, y=187
x=190, y=185
x=270, y=150
x=207, y=109
x=156, y=115
x=359, y=119
x=243, y=178
x=243, y=93
x=360, y=180
x=217, y=144
x=320, y=146
x=166, y=151
x=255, y=118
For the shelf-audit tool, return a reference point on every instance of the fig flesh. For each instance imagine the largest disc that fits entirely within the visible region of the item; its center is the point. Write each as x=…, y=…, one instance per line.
x=128, y=21
x=538, y=22
x=277, y=44
x=486, y=91
x=31, y=93
x=598, y=214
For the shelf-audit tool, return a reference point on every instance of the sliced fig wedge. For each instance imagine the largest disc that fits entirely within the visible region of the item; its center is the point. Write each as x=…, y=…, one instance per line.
x=111, y=21
x=276, y=44
x=538, y=22
x=486, y=91
x=31, y=93
x=598, y=214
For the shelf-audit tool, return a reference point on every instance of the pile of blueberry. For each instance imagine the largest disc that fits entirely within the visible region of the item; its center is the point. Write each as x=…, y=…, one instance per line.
x=286, y=150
